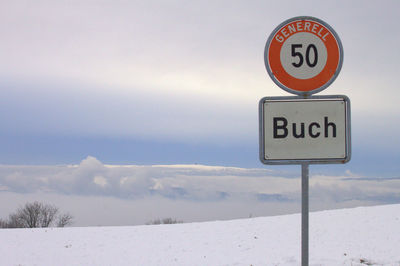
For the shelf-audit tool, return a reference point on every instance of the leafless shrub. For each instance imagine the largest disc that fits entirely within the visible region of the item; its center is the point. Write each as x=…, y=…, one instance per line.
x=3, y=223
x=64, y=220
x=164, y=221
x=36, y=214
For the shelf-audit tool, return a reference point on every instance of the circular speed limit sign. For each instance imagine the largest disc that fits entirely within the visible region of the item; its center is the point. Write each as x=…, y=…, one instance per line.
x=303, y=55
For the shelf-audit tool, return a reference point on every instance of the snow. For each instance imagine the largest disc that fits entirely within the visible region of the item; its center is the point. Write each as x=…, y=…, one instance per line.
x=359, y=236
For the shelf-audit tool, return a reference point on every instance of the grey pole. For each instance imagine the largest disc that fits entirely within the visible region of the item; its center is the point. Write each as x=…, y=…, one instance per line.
x=304, y=214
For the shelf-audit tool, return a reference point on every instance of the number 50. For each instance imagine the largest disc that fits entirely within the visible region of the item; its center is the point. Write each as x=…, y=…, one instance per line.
x=301, y=57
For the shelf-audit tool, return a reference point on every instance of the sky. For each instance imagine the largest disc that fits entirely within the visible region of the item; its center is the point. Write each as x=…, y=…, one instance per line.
x=176, y=82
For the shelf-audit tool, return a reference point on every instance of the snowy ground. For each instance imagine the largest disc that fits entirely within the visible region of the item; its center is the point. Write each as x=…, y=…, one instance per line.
x=360, y=236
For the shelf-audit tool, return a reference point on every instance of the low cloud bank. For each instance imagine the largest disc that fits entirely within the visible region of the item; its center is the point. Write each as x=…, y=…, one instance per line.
x=99, y=194
x=191, y=182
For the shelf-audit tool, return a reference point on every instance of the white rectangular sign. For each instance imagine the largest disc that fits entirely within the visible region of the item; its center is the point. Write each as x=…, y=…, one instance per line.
x=314, y=130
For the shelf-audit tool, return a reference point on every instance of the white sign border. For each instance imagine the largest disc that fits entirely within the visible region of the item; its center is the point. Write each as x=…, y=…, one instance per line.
x=337, y=70
x=343, y=160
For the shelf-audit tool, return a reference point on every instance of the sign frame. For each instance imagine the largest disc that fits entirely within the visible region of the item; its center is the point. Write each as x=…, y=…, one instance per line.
x=341, y=160
x=299, y=91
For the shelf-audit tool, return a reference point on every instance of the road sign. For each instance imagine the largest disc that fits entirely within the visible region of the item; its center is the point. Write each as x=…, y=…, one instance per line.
x=294, y=130
x=303, y=55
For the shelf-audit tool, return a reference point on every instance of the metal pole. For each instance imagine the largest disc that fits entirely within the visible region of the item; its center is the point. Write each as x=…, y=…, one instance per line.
x=304, y=214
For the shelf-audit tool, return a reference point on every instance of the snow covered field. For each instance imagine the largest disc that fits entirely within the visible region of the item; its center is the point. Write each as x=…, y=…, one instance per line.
x=359, y=236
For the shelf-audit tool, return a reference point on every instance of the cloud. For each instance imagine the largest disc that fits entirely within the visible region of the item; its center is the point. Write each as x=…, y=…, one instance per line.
x=191, y=182
x=101, y=194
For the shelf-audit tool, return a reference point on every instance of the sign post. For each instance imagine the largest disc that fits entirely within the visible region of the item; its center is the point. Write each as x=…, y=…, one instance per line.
x=303, y=56
x=304, y=214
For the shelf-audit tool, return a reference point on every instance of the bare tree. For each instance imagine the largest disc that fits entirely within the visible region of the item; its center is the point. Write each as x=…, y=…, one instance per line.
x=36, y=214
x=14, y=222
x=48, y=215
x=64, y=220
x=164, y=221
x=29, y=216
x=3, y=223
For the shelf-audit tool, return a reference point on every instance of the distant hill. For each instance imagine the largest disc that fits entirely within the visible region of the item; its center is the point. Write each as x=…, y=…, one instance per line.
x=359, y=236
